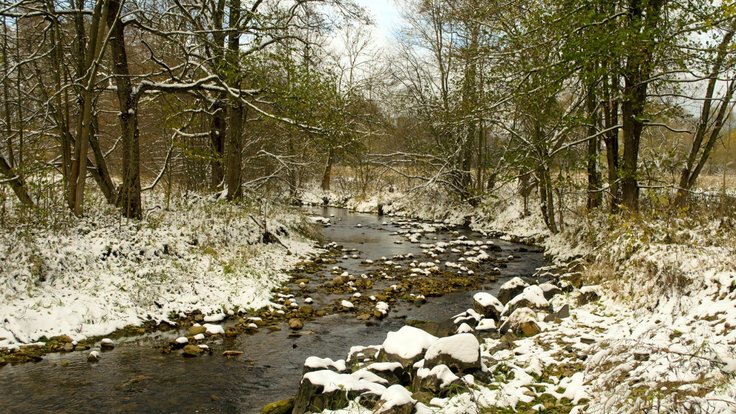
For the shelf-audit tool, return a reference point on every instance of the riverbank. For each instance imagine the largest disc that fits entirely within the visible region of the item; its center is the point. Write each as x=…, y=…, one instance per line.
x=657, y=336
x=102, y=274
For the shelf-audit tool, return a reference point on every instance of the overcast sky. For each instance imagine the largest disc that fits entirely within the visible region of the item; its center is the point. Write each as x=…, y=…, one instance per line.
x=386, y=16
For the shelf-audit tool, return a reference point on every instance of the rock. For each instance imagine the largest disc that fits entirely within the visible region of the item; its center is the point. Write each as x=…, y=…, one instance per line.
x=324, y=389
x=68, y=347
x=486, y=326
x=190, y=351
x=532, y=297
x=511, y=288
x=212, y=329
x=296, y=324
x=279, y=407
x=363, y=316
x=460, y=352
x=392, y=372
x=196, y=329
x=564, y=312
x=589, y=294
x=588, y=340
x=435, y=380
x=550, y=290
x=93, y=356
x=340, y=280
x=314, y=363
x=396, y=400
x=522, y=321
x=487, y=305
x=107, y=344
x=406, y=346
x=306, y=310
x=232, y=353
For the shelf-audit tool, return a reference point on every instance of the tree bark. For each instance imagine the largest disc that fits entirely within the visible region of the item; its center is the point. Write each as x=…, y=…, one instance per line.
x=218, y=132
x=235, y=109
x=16, y=182
x=234, y=152
x=79, y=161
x=643, y=17
x=594, y=178
x=129, y=196
x=327, y=174
x=610, y=112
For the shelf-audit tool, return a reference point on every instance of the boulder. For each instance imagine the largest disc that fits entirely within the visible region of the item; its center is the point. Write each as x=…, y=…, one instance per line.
x=435, y=380
x=460, y=352
x=392, y=372
x=107, y=344
x=93, y=356
x=191, y=351
x=396, y=400
x=549, y=290
x=296, y=324
x=532, y=297
x=589, y=294
x=487, y=305
x=511, y=288
x=522, y=321
x=279, y=407
x=486, y=326
x=314, y=363
x=325, y=389
x=406, y=346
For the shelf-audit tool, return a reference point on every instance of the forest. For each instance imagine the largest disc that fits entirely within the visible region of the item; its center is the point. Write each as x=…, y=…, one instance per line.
x=226, y=168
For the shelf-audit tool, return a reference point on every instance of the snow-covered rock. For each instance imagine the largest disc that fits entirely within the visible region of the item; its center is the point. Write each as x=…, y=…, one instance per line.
x=532, y=297
x=460, y=352
x=407, y=345
x=488, y=305
x=511, y=288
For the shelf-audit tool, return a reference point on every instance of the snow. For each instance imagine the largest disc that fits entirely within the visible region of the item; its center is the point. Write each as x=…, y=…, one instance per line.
x=462, y=347
x=533, y=295
x=102, y=274
x=182, y=340
x=333, y=381
x=214, y=329
x=317, y=363
x=441, y=372
x=347, y=304
x=408, y=342
x=486, y=299
x=395, y=396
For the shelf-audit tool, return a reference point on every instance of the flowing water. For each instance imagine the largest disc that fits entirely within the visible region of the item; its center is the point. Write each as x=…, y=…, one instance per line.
x=136, y=377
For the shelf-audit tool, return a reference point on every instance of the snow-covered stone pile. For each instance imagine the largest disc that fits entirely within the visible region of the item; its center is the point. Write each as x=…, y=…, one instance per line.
x=480, y=366
x=102, y=274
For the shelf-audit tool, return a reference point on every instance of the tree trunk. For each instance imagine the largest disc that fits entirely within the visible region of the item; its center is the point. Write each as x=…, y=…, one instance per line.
x=327, y=174
x=217, y=143
x=79, y=161
x=234, y=152
x=610, y=112
x=690, y=172
x=643, y=17
x=594, y=177
x=16, y=182
x=129, y=197
x=218, y=124
x=235, y=108
x=546, y=198
x=102, y=173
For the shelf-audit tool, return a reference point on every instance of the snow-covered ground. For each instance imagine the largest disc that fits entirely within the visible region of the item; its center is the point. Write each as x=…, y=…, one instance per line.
x=104, y=273
x=660, y=338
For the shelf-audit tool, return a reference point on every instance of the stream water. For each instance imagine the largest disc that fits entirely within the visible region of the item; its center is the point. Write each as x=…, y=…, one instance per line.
x=136, y=378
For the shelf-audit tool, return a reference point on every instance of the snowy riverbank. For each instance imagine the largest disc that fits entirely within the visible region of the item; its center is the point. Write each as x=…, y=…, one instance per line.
x=657, y=336
x=103, y=273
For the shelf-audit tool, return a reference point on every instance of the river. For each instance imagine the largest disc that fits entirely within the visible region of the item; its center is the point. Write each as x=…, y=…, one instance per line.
x=136, y=377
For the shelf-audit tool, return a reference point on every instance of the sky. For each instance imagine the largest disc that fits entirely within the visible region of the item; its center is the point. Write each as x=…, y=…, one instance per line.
x=386, y=16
